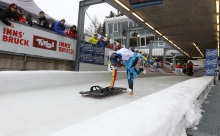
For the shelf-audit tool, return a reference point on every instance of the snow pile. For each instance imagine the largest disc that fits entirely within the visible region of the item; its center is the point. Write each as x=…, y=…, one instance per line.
x=158, y=114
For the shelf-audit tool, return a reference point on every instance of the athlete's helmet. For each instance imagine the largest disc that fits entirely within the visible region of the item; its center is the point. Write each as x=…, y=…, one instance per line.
x=115, y=59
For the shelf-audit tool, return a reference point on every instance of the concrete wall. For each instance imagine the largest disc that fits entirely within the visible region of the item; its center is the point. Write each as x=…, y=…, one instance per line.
x=16, y=62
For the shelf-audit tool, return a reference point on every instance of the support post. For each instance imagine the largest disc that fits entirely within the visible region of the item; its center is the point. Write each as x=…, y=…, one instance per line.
x=83, y=6
x=164, y=55
x=127, y=45
x=173, y=63
x=150, y=50
x=25, y=58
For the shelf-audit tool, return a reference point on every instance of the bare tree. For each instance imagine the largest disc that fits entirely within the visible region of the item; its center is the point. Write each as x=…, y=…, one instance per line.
x=103, y=29
x=95, y=24
x=99, y=29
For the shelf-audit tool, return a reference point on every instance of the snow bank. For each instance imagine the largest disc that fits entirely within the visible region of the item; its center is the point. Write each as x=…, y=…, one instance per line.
x=29, y=80
x=165, y=113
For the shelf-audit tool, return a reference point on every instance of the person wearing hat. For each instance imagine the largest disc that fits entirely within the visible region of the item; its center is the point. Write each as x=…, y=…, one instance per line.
x=9, y=13
x=20, y=15
x=59, y=27
x=101, y=41
x=93, y=39
x=42, y=21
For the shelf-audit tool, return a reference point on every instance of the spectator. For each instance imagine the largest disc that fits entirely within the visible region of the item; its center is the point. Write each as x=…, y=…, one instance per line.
x=177, y=66
x=93, y=39
x=11, y=14
x=190, y=68
x=72, y=32
x=184, y=68
x=84, y=39
x=21, y=16
x=113, y=46
x=42, y=21
x=118, y=47
x=101, y=41
x=29, y=19
x=59, y=27
x=107, y=42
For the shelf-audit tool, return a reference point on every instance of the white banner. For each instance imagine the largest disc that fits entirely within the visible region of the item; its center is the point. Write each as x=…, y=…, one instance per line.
x=33, y=41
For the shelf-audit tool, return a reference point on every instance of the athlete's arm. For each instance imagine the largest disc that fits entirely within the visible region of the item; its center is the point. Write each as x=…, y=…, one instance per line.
x=142, y=57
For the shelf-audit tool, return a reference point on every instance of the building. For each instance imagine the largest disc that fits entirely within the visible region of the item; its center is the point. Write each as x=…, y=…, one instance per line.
x=141, y=39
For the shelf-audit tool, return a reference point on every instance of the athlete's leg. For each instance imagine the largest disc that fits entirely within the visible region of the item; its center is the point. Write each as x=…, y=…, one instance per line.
x=130, y=79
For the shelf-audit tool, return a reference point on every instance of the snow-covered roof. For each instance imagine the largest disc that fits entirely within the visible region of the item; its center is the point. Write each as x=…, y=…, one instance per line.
x=117, y=19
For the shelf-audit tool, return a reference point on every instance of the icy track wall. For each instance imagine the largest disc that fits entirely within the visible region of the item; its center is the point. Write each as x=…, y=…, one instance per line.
x=29, y=80
x=165, y=113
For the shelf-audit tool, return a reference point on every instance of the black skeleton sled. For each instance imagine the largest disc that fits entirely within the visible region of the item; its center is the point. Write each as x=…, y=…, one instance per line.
x=100, y=91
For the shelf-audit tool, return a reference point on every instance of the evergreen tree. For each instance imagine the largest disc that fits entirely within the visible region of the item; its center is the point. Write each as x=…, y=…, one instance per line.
x=99, y=29
x=112, y=14
x=119, y=14
x=103, y=29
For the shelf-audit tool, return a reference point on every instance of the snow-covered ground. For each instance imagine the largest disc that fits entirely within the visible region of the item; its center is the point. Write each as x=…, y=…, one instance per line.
x=61, y=110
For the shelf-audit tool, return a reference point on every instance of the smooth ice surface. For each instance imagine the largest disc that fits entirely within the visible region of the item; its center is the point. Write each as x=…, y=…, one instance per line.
x=43, y=112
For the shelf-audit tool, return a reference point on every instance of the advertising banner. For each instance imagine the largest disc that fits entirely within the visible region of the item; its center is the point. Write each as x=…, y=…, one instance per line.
x=93, y=54
x=32, y=41
x=211, y=61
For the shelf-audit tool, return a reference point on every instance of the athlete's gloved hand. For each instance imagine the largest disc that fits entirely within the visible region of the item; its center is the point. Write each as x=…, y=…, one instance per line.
x=150, y=61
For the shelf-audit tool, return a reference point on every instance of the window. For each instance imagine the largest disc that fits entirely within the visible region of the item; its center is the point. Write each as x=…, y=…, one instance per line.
x=143, y=41
x=148, y=39
x=161, y=44
x=115, y=27
x=133, y=42
x=130, y=24
x=122, y=27
x=110, y=27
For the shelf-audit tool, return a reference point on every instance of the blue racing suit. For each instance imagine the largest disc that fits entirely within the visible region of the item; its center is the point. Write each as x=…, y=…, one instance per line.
x=129, y=59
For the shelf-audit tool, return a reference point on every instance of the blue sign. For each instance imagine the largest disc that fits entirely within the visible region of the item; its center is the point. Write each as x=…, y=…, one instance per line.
x=93, y=54
x=211, y=61
x=143, y=3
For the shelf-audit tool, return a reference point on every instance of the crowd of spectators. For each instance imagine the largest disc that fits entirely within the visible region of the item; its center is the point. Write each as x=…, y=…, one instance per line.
x=187, y=68
x=104, y=43
x=14, y=13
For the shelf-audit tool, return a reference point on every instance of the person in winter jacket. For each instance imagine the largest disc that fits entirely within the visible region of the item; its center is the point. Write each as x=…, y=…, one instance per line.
x=72, y=32
x=42, y=21
x=59, y=27
x=21, y=16
x=101, y=41
x=29, y=19
x=9, y=13
x=93, y=39
x=107, y=42
x=190, y=68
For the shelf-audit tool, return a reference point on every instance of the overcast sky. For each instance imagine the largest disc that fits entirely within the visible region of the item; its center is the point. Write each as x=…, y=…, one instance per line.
x=68, y=9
